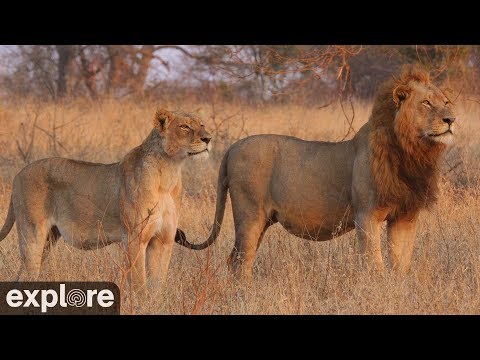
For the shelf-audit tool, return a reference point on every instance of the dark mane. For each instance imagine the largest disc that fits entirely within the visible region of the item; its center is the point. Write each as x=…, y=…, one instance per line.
x=404, y=168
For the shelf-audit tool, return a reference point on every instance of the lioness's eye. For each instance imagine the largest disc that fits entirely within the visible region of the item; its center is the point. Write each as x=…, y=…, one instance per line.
x=427, y=103
x=184, y=127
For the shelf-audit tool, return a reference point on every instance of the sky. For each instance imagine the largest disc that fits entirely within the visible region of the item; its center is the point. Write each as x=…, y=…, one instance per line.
x=157, y=72
x=176, y=65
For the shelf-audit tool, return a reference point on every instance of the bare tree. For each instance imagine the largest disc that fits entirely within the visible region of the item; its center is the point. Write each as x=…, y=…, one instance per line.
x=64, y=70
x=311, y=74
x=66, y=56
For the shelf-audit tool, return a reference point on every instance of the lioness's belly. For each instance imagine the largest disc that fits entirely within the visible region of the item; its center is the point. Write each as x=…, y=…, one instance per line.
x=88, y=225
x=93, y=232
x=90, y=237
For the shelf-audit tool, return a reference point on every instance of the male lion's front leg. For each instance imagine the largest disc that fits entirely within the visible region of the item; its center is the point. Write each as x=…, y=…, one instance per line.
x=368, y=227
x=401, y=238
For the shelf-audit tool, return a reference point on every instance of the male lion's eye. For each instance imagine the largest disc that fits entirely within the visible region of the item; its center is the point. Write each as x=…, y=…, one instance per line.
x=184, y=127
x=426, y=103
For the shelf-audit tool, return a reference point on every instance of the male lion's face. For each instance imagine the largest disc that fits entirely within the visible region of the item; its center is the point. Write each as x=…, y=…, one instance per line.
x=431, y=112
x=184, y=133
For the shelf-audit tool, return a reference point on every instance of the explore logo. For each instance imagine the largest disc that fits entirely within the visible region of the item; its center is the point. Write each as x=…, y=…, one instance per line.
x=59, y=298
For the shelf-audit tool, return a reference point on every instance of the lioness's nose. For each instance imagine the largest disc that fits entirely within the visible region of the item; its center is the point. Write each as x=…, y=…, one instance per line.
x=449, y=120
x=206, y=139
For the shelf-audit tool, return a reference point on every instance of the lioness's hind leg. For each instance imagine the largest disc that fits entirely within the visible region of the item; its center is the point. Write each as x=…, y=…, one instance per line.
x=52, y=238
x=32, y=239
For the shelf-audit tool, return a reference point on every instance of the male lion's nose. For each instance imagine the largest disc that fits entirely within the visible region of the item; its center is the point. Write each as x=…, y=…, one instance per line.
x=206, y=139
x=449, y=120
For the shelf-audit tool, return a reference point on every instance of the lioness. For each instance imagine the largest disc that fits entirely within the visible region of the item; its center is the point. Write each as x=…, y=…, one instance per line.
x=134, y=201
x=318, y=190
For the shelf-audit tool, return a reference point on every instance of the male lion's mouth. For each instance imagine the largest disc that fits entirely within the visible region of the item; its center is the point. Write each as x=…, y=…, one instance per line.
x=196, y=153
x=445, y=132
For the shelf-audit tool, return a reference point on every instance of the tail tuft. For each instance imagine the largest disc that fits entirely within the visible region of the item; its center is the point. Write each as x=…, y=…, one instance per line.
x=181, y=238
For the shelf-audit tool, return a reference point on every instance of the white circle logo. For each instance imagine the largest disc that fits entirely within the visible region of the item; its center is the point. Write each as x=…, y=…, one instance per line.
x=76, y=297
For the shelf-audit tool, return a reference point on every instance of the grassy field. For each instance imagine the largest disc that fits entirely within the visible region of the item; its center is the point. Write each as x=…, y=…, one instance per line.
x=291, y=275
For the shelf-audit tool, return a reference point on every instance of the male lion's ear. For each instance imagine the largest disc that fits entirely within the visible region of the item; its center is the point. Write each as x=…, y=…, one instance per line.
x=400, y=93
x=449, y=93
x=162, y=119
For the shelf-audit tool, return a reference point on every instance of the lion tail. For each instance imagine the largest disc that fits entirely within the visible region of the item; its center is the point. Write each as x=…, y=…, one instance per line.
x=8, y=222
x=222, y=190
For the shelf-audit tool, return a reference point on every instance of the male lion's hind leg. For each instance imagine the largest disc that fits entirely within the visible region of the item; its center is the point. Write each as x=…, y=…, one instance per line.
x=401, y=238
x=248, y=233
x=269, y=223
x=32, y=239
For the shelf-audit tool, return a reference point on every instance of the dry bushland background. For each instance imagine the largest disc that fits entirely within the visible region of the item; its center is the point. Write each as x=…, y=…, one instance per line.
x=291, y=275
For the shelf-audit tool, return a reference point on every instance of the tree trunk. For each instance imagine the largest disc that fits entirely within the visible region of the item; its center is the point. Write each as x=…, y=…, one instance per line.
x=65, y=59
x=127, y=70
x=90, y=69
x=115, y=69
x=143, y=67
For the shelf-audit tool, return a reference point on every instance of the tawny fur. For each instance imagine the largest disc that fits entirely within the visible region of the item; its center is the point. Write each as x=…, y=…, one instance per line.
x=135, y=201
x=319, y=190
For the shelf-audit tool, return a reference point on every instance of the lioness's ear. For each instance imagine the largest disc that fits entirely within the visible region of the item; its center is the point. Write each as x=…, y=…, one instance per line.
x=199, y=111
x=400, y=93
x=162, y=119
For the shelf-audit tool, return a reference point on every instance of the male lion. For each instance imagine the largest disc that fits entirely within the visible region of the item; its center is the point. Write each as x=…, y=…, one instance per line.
x=134, y=201
x=318, y=190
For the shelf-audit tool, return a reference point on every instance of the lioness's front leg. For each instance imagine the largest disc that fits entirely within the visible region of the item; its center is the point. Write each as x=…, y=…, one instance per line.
x=368, y=226
x=401, y=238
x=159, y=251
x=136, y=259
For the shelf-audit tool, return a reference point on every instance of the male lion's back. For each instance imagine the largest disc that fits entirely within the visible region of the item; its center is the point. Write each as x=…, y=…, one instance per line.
x=289, y=170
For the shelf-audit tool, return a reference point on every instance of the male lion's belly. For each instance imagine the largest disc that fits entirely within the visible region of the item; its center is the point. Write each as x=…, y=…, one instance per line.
x=318, y=233
x=317, y=226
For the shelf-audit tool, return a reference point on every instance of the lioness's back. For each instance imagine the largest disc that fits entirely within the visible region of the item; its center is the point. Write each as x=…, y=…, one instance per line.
x=59, y=183
x=62, y=170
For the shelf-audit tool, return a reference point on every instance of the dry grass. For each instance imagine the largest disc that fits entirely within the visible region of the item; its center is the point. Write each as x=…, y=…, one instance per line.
x=292, y=276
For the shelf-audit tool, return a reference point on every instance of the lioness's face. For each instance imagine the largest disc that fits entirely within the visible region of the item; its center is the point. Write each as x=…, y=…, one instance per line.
x=184, y=133
x=434, y=114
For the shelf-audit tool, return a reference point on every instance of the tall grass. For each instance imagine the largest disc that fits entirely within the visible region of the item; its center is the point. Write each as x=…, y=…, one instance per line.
x=291, y=275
